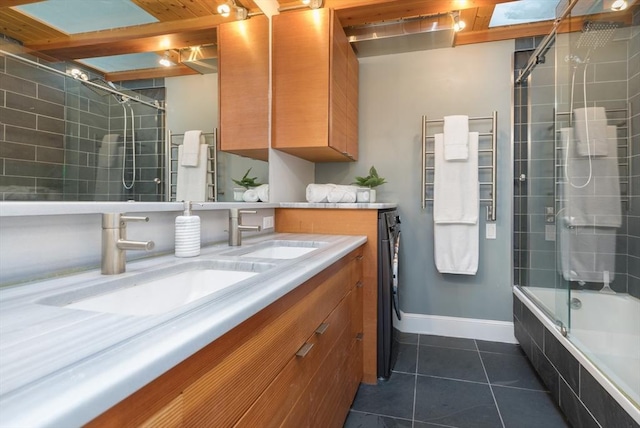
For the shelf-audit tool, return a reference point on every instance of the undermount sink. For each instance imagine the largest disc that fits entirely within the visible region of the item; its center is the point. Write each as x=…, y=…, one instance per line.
x=163, y=290
x=279, y=249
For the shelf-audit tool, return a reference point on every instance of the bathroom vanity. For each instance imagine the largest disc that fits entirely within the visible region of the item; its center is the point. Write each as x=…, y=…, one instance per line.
x=283, y=345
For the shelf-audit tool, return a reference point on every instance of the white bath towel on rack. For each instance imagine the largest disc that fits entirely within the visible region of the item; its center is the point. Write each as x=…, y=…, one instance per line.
x=587, y=252
x=455, y=210
x=191, y=148
x=191, y=182
x=591, y=131
x=456, y=137
x=455, y=185
x=593, y=187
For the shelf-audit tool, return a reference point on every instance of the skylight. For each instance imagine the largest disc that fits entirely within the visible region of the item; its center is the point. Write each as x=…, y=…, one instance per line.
x=81, y=16
x=523, y=12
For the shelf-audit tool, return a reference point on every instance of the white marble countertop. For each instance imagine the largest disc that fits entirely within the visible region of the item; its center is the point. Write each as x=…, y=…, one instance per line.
x=30, y=208
x=345, y=206
x=63, y=367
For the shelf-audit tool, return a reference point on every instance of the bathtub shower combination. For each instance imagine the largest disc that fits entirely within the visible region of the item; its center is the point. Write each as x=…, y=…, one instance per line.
x=577, y=214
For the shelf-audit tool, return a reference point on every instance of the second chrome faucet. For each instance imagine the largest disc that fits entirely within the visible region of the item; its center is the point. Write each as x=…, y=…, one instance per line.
x=236, y=227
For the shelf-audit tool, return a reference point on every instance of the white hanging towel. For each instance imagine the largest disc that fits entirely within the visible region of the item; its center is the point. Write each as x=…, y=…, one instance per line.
x=191, y=148
x=593, y=191
x=455, y=185
x=191, y=182
x=455, y=210
x=586, y=253
x=591, y=131
x=456, y=137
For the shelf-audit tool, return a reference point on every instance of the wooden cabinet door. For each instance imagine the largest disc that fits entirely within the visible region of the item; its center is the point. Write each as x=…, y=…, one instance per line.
x=301, y=80
x=311, y=86
x=243, y=73
x=353, y=70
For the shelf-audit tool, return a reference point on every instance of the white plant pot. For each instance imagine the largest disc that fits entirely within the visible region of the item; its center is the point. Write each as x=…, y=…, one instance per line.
x=238, y=193
x=365, y=195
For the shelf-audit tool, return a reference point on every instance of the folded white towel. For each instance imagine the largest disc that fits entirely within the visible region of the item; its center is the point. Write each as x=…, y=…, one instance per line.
x=263, y=192
x=591, y=131
x=191, y=182
x=250, y=195
x=191, y=151
x=318, y=192
x=455, y=185
x=587, y=252
x=593, y=190
x=456, y=137
x=342, y=194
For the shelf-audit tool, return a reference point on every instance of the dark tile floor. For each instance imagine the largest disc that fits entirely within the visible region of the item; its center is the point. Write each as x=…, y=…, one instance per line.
x=450, y=382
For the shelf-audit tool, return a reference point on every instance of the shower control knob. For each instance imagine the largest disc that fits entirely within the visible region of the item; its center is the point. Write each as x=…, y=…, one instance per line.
x=157, y=180
x=523, y=177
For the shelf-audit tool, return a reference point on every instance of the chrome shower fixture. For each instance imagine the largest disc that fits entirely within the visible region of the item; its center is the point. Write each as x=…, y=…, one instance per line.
x=596, y=34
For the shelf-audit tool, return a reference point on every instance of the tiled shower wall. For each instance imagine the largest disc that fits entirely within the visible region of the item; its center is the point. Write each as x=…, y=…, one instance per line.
x=609, y=75
x=634, y=190
x=51, y=138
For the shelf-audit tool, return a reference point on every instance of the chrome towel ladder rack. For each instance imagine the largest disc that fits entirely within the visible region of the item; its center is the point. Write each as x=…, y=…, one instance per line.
x=171, y=166
x=428, y=168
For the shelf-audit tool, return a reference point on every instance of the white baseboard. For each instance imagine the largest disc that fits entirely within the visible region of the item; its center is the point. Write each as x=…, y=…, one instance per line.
x=468, y=328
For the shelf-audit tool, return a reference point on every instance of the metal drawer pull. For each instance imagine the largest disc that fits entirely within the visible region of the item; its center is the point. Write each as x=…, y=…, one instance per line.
x=359, y=284
x=359, y=257
x=322, y=328
x=359, y=336
x=302, y=352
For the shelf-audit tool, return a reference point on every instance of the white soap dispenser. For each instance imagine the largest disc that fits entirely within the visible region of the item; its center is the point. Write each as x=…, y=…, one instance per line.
x=187, y=233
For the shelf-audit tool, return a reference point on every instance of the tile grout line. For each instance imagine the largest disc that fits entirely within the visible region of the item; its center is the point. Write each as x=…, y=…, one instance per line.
x=415, y=385
x=495, y=402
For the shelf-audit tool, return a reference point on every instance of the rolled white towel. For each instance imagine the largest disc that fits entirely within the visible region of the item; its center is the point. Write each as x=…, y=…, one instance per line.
x=250, y=195
x=342, y=194
x=263, y=192
x=318, y=192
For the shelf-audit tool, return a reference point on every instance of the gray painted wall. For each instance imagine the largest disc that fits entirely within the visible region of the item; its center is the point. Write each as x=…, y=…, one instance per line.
x=395, y=91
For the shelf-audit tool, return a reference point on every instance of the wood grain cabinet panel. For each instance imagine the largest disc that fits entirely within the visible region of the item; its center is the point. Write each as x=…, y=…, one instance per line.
x=251, y=376
x=311, y=87
x=243, y=73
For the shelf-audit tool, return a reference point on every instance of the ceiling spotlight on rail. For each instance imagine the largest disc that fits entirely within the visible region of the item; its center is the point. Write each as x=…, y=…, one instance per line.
x=224, y=9
x=313, y=4
x=458, y=24
x=165, y=61
x=619, y=5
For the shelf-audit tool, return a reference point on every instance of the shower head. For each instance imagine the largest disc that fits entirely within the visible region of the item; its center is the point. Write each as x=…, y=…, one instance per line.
x=104, y=87
x=596, y=34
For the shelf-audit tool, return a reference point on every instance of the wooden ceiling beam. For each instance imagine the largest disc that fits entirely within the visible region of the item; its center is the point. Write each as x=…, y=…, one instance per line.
x=150, y=73
x=12, y=3
x=359, y=12
x=533, y=29
x=140, y=38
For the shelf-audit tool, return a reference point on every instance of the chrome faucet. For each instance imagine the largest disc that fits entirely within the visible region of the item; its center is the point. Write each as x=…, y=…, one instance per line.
x=236, y=227
x=115, y=243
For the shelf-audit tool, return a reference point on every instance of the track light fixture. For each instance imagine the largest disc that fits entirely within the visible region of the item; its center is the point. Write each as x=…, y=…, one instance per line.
x=165, y=61
x=224, y=9
x=313, y=4
x=458, y=24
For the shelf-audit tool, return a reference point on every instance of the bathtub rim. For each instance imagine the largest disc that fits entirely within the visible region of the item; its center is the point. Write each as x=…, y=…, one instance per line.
x=542, y=315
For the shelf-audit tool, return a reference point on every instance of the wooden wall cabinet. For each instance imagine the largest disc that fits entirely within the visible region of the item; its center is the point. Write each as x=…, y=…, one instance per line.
x=243, y=77
x=296, y=363
x=315, y=87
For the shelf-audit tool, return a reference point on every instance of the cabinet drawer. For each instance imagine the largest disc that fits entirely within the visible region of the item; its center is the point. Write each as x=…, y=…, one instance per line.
x=272, y=407
x=223, y=394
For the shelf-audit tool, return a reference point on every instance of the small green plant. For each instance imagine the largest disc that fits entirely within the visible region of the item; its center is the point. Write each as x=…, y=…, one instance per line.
x=247, y=181
x=372, y=180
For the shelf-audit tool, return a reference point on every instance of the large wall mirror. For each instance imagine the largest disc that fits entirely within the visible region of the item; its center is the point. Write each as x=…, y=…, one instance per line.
x=69, y=134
